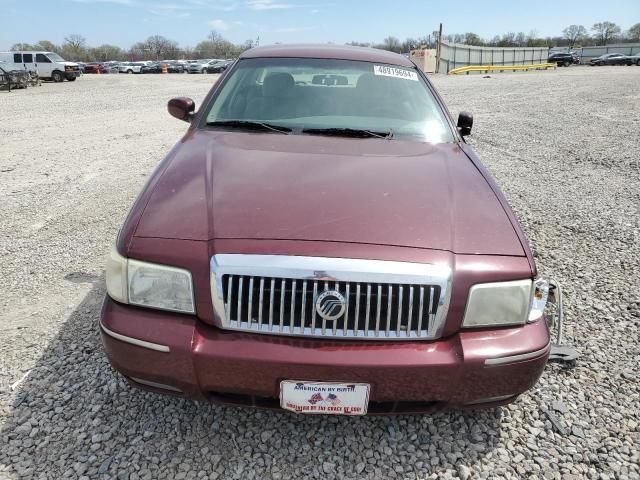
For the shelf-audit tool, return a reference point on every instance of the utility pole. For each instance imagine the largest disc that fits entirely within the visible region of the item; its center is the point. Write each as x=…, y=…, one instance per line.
x=438, y=49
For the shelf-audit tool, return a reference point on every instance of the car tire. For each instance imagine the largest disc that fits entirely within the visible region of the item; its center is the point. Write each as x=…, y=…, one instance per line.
x=57, y=76
x=566, y=63
x=204, y=71
x=638, y=62
x=71, y=79
x=129, y=71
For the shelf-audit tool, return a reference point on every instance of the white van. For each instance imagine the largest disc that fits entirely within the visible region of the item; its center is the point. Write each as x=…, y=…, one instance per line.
x=48, y=65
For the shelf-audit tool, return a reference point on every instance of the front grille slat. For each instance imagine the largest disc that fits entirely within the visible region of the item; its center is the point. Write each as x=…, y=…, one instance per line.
x=346, y=312
x=287, y=306
x=260, y=303
x=355, y=323
x=313, y=308
x=250, y=309
x=239, y=311
x=271, y=295
x=366, y=317
x=420, y=310
x=282, y=292
x=292, y=311
x=399, y=317
x=389, y=302
x=432, y=315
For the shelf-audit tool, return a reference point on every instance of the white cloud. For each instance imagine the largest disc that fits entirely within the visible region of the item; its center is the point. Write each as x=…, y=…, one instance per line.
x=314, y=11
x=266, y=5
x=219, y=24
x=169, y=10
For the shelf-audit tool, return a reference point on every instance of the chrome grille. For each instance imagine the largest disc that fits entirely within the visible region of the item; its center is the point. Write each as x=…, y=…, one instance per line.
x=277, y=295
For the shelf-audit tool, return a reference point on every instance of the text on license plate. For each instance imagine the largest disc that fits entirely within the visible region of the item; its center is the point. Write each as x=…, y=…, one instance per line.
x=330, y=398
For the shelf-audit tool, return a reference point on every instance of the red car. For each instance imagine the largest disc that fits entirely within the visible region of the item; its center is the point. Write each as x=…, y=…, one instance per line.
x=323, y=240
x=95, y=67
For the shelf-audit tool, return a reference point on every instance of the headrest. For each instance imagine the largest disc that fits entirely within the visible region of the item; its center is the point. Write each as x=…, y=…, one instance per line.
x=277, y=84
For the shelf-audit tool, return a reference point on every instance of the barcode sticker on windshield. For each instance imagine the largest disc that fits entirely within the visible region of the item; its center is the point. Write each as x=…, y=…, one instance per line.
x=387, y=71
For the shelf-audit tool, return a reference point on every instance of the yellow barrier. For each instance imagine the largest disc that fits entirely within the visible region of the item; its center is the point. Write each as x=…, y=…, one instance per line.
x=501, y=68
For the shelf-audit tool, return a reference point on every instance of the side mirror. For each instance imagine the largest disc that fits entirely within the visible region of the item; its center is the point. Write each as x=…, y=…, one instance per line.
x=465, y=122
x=182, y=108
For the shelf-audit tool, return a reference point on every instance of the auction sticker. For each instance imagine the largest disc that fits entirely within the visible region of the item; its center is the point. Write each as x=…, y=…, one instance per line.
x=328, y=398
x=387, y=71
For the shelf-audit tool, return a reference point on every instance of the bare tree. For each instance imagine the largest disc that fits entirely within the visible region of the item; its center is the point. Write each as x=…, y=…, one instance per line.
x=159, y=46
x=392, y=44
x=75, y=41
x=634, y=33
x=574, y=33
x=605, y=31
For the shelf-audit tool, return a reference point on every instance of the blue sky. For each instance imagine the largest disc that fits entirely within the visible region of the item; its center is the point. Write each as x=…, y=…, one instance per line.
x=123, y=22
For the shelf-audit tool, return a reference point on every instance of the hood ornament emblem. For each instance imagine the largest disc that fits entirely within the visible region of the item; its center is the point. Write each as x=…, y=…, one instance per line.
x=330, y=305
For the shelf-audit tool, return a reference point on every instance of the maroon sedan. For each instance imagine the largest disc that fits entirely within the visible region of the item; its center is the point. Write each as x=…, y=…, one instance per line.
x=323, y=240
x=96, y=67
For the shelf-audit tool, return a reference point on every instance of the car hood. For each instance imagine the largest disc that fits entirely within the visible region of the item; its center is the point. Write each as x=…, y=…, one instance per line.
x=234, y=185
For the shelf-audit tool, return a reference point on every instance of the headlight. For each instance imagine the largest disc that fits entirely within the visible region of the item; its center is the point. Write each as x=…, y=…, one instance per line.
x=149, y=285
x=498, y=304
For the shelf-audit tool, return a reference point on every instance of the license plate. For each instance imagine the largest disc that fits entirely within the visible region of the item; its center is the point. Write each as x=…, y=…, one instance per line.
x=328, y=398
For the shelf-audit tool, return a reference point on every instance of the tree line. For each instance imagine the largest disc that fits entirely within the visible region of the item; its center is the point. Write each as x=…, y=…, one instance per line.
x=602, y=33
x=157, y=47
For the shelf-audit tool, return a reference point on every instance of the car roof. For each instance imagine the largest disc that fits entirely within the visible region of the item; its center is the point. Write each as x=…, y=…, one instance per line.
x=341, y=52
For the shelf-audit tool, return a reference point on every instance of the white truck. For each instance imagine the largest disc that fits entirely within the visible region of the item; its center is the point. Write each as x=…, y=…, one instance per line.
x=48, y=65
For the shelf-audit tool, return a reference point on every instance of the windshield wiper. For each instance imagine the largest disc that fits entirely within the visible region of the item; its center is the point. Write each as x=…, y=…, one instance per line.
x=349, y=132
x=249, y=125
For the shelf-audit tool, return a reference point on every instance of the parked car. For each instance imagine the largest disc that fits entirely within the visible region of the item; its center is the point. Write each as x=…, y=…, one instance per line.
x=48, y=65
x=175, y=67
x=325, y=250
x=96, y=67
x=218, y=67
x=201, y=65
x=563, y=59
x=153, y=67
x=634, y=59
x=130, y=67
x=611, y=59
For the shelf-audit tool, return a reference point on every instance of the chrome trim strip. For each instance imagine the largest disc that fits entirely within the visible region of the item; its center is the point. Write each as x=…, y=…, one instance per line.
x=326, y=269
x=134, y=341
x=517, y=358
x=149, y=383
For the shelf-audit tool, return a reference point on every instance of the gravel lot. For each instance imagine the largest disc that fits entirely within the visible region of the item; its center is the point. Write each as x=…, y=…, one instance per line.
x=563, y=145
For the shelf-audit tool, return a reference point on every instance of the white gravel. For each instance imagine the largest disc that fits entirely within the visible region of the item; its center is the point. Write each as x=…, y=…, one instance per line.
x=564, y=147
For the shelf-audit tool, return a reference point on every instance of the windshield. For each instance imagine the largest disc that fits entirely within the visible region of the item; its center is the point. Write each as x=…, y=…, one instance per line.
x=54, y=57
x=312, y=95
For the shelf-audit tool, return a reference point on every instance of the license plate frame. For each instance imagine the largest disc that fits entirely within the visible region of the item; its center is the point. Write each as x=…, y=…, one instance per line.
x=324, y=398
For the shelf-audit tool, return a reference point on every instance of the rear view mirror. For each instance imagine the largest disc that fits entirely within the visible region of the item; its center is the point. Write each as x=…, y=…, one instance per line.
x=182, y=108
x=465, y=122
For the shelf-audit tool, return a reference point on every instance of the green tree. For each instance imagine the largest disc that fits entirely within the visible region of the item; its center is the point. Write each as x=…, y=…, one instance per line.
x=634, y=33
x=471, y=38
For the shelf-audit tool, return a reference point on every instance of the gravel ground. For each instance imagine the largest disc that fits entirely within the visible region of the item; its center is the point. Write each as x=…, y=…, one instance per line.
x=564, y=147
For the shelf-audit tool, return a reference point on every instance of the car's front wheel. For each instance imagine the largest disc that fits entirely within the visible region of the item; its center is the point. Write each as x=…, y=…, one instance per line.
x=566, y=63
x=57, y=76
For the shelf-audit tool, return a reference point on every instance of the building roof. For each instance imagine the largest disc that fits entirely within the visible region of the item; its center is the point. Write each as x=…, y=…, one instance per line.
x=341, y=52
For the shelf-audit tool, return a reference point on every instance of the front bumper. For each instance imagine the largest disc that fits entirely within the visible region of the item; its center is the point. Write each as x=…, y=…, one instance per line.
x=177, y=354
